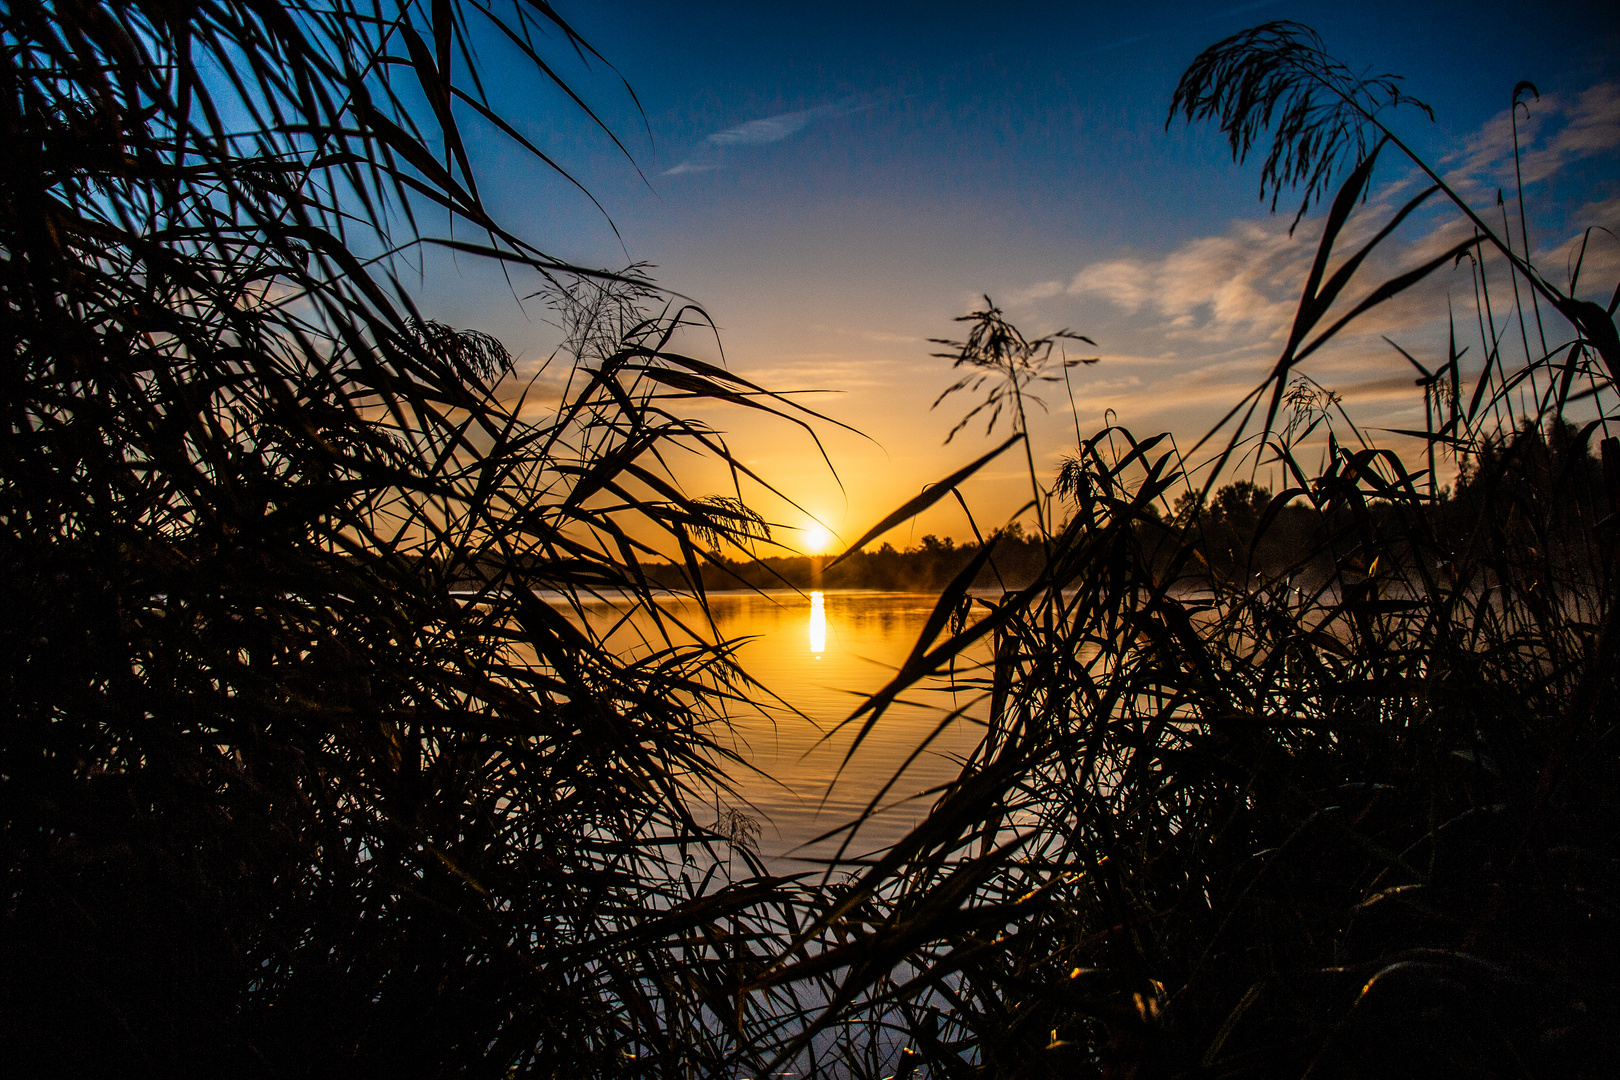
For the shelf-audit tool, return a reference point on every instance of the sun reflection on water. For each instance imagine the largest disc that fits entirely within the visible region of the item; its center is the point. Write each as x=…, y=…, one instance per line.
x=818, y=623
x=822, y=668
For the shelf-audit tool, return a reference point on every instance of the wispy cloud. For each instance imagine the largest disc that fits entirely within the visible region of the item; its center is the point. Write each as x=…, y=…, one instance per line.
x=1243, y=283
x=1554, y=132
x=1228, y=300
x=1214, y=289
x=710, y=154
x=1041, y=290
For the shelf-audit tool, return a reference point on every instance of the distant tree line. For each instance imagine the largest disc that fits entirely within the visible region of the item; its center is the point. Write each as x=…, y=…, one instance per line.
x=1542, y=482
x=1014, y=561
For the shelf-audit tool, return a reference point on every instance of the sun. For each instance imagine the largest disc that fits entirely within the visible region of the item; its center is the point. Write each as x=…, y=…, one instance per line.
x=816, y=539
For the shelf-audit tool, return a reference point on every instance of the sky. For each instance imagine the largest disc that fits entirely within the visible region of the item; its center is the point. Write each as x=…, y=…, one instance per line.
x=836, y=183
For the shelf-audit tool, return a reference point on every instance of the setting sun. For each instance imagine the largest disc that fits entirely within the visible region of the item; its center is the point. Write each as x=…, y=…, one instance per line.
x=816, y=539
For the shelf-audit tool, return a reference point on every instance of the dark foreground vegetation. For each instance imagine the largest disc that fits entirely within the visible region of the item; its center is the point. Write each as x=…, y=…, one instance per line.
x=279, y=796
x=275, y=801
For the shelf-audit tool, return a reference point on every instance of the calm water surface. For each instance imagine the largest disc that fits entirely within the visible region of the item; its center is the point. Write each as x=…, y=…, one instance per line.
x=822, y=653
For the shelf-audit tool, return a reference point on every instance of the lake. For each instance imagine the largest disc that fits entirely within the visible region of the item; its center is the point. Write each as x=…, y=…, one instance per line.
x=822, y=653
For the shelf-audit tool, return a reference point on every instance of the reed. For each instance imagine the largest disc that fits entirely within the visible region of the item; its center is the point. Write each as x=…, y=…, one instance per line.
x=299, y=776
x=1335, y=811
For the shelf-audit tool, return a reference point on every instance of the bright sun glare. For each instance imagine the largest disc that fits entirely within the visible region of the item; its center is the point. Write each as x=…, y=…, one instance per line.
x=816, y=539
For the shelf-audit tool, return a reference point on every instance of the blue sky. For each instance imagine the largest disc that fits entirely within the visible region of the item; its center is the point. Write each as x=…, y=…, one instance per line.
x=835, y=183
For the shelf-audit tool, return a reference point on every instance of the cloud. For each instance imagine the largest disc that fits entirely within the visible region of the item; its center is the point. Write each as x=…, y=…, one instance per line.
x=826, y=372
x=1242, y=285
x=1554, y=132
x=709, y=154
x=1043, y=290
x=690, y=166
x=1225, y=301
x=771, y=128
x=1597, y=255
x=1214, y=288
x=1125, y=283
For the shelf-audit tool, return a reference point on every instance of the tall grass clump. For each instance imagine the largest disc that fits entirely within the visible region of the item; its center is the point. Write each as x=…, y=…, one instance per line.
x=1341, y=809
x=300, y=775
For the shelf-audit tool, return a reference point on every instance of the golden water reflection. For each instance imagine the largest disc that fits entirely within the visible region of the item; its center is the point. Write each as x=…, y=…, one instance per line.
x=800, y=784
x=818, y=622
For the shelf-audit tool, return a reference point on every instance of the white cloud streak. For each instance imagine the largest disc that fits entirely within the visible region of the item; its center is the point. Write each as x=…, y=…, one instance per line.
x=709, y=154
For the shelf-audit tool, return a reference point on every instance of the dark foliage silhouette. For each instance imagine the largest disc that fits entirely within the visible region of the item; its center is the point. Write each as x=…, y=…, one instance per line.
x=1333, y=806
x=299, y=775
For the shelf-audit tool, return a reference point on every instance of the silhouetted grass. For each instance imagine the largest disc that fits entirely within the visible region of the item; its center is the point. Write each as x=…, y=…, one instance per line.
x=1339, y=808
x=300, y=775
